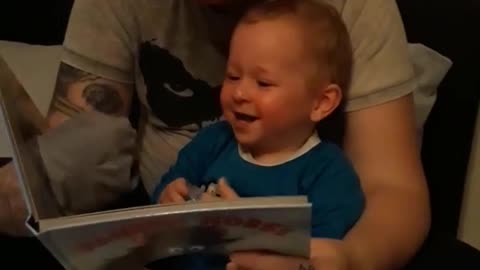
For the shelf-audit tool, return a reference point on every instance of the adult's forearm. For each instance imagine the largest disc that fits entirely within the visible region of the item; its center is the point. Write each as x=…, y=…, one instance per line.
x=393, y=227
x=79, y=91
x=12, y=209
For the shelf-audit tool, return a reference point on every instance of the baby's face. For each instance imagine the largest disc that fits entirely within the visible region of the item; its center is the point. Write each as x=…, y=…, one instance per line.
x=266, y=95
x=223, y=2
x=211, y=2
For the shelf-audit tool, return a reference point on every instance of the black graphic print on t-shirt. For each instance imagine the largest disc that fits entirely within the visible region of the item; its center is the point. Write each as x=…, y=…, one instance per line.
x=174, y=95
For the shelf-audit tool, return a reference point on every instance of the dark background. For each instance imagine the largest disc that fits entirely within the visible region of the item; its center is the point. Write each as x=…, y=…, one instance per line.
x=449, y=27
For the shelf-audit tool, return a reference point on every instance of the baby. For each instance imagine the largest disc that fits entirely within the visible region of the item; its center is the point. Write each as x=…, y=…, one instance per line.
x=289, y=63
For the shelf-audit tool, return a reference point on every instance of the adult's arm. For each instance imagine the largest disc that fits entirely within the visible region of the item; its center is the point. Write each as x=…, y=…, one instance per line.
x=97, y=70
x=79, y=91
x=382, y=143
x=381, y=139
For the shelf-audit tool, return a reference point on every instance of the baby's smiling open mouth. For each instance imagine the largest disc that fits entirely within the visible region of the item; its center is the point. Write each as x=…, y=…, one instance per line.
x=245, y=117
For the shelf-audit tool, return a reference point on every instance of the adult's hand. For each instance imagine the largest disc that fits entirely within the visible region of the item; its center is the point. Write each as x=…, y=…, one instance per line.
x=326, y=254
x=12, y=207
x=266, y=261
x=88, y=159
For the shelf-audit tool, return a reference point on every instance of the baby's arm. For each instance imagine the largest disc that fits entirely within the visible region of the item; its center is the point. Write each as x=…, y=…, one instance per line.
x=192, y=163
x=187, y=170
x=174, y=192
x=336, y=196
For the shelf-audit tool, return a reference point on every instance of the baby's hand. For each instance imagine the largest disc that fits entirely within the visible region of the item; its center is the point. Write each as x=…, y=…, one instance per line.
x=175, y=192
x=221, y=191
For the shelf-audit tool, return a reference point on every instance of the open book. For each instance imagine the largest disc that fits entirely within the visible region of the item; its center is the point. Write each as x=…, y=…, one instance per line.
x=134, y=237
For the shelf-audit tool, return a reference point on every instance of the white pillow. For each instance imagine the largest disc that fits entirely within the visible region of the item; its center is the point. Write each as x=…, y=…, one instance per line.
x=36, y=68
x=430, y=69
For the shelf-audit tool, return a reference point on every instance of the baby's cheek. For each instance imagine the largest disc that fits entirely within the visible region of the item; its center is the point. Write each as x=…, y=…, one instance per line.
x=210, y=2
x=225, y=92
x=272, y=112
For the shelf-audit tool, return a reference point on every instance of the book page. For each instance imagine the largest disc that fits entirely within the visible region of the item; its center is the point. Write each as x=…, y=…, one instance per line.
x=131, y=239
x=23, y=121
x=166, y=209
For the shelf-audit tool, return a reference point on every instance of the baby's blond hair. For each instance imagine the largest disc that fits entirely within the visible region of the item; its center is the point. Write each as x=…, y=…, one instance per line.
x=324, y=29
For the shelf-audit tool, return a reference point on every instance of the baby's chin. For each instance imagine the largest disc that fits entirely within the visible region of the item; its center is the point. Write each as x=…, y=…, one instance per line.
x=244, y=143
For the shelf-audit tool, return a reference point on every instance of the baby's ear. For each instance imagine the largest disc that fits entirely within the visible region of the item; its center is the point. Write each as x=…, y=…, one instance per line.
x=326, y=101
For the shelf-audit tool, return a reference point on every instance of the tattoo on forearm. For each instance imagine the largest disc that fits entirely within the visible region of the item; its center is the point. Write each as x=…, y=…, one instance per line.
x=97, y=94
x=63, y=105
x=103, y=98
x=67, y=75
x=306, y=267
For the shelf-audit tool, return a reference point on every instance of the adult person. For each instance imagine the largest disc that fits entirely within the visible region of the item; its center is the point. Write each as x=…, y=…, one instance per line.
x=173, y=54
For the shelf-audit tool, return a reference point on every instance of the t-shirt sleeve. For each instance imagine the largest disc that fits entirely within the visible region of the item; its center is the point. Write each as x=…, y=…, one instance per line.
x=195, y=157
x=335, y=194
x=382, y=70
x=101, y=38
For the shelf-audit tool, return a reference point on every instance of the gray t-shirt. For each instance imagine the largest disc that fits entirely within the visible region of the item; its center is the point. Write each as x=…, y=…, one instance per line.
x=173, y=51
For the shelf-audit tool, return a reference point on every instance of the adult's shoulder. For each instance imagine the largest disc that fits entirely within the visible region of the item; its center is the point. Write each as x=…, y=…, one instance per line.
x=382, y=69
x=102, y=37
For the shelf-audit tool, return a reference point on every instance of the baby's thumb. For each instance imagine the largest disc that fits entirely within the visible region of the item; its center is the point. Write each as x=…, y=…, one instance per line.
x=225, y=191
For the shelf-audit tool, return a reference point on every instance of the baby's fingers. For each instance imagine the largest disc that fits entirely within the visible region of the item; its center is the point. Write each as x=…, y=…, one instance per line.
x=225, y=191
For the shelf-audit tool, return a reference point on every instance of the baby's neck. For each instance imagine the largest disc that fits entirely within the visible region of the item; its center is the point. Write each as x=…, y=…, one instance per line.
x=269, y=156
x=274, y=157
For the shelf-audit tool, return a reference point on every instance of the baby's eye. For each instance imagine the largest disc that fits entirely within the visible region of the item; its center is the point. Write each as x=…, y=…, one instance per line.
x=232, y=77
x=264, y=84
